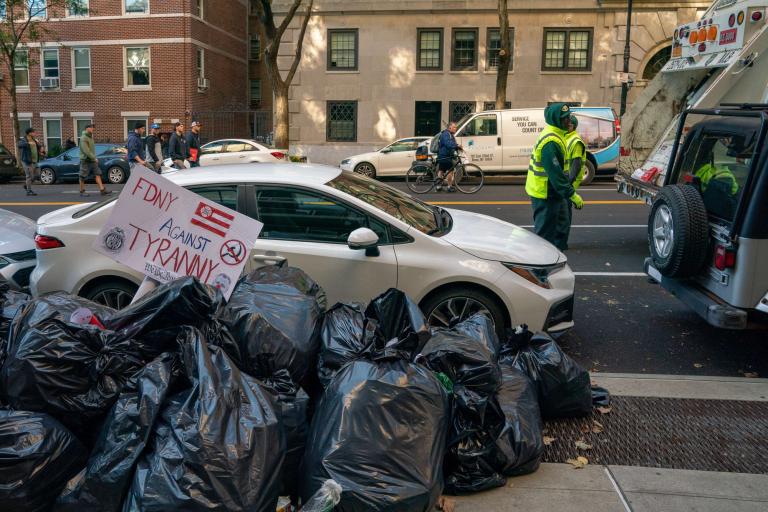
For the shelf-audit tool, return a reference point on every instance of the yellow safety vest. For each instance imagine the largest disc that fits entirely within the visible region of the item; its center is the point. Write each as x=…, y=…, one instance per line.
x=575, y=149
x=537, y=181
x=709, y=172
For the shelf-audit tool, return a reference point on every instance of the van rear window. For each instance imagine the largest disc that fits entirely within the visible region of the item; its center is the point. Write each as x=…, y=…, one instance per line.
x=596, y=133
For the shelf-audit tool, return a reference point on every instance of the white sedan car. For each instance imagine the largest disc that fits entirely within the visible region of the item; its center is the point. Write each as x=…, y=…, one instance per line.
x=355, y=236
x=392, y=160
x=239, y=151
x=17, y=248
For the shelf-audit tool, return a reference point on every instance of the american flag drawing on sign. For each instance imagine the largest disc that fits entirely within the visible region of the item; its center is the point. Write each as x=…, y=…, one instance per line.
x=212, y=219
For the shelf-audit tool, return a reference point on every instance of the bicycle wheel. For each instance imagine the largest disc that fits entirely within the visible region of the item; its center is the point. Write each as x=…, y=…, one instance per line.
x=469, y=178
x=420, y=178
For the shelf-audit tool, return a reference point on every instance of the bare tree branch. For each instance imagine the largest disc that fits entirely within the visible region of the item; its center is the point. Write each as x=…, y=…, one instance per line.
x=287, y=20
x=300, y=44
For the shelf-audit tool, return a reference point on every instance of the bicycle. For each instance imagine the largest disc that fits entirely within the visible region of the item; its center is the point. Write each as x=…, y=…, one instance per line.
x=422, y=177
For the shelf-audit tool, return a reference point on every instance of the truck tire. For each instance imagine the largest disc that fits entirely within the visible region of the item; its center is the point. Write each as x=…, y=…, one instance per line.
x=589, y=176
x=678, y=231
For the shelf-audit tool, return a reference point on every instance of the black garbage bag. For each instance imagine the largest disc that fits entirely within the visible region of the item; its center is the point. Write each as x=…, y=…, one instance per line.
x=380, y=431
x=346, y=335
x=11, y=302
x=398, y=317
x=480, y=327
x=71, y=370
x=216, y=446
x=563, y=387
x=520, y=443
x=37, y=457
x=601, y=397
x=277, y=310
x=102, y=485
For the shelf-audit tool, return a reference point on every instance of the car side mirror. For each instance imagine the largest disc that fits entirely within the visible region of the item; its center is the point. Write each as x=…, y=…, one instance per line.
x=364, y=238
x=65, y=157
x=386, y=150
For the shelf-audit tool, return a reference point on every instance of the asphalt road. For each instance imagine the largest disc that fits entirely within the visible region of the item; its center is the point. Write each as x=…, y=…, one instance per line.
x=623, y=322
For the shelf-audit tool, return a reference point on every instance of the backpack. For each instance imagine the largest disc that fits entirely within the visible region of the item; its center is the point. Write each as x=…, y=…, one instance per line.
x=434, y=145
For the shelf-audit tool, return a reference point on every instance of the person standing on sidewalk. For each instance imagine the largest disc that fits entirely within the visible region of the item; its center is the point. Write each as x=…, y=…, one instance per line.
x=193, y=142
x=154, y=148
x=29, y=153
x=178, y=150
x=89, y=163
x=135, y=145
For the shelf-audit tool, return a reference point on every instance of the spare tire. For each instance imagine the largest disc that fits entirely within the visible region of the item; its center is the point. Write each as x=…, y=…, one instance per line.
x=678, y=231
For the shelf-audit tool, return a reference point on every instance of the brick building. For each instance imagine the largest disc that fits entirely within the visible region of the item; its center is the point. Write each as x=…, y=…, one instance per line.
x=118, y=61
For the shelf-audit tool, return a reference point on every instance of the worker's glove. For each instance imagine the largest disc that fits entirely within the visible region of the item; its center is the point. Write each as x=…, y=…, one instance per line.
x=577, y=201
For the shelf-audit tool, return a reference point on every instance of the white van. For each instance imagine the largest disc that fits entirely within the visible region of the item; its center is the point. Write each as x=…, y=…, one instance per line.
x=501, y=141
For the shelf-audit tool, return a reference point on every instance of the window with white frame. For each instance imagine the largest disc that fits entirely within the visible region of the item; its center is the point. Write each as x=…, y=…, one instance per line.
x=78, y=7
x=53, y=136
x=137, y=67
x=81, y=68
x=37, y=8
x=136, y=6
x=24, y=124
x=50, y=63
x=130, y=124
x=21, y=68
x=80, y=124
x=200, y=63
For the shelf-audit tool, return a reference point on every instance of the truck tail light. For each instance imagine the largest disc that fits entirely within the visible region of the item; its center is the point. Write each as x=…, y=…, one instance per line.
x=757, y=16
x=712, y=33
x=278, y=154
x=625, y=152
x=617, y=126
x=47, y=242
x=724, y=257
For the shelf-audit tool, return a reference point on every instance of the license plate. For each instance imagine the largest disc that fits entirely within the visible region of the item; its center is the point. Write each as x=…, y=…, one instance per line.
x=7, y=162
x=654, y=273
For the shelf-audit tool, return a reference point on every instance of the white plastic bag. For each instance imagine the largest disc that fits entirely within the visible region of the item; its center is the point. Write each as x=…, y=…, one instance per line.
x=327, y=497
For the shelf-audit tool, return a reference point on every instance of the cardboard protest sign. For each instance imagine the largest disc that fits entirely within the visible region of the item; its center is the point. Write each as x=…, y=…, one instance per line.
x=165, y=231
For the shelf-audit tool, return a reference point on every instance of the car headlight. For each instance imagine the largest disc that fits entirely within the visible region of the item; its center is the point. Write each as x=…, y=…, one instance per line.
x=536, y=274
x=345, y=161
x=4, y=262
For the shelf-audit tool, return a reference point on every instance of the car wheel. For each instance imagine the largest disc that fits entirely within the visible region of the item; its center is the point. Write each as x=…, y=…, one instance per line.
x=47, y=176
x=678, y=231
x=366, y=169
x=455, y=305
x=590, y=173
x=115, y=175
x=115, y=294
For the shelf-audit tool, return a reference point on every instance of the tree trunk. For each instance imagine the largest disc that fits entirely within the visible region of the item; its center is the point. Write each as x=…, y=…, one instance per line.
x=505, y=56
x=14, y=110
x=282, y=118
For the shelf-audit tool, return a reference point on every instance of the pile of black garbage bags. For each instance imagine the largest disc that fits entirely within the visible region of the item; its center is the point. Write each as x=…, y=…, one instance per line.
x=183, y=401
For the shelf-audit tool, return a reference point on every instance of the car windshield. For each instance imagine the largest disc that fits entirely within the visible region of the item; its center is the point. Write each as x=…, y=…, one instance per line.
x=427, y=219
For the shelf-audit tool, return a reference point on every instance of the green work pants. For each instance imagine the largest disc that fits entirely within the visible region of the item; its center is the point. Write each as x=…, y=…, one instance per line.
x=551, y=220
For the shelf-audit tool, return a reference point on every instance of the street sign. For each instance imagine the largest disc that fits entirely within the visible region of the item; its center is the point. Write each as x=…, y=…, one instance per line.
x=165, y=231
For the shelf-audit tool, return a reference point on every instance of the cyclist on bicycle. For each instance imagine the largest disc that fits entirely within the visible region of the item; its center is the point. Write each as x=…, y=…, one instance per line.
x=446, y=155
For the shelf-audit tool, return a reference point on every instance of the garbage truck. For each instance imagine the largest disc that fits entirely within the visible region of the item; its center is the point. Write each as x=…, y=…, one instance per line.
x=706, y=176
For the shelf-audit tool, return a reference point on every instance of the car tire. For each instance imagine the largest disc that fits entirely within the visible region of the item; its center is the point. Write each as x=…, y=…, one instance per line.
x=589, y=176
x=434, y=305
x=47, y=176
x=115, y=293
x=116, y=175
x=678, y=231
x=366, y=169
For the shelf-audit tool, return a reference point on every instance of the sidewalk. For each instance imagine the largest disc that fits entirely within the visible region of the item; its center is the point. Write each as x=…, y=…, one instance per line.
x=611, y=488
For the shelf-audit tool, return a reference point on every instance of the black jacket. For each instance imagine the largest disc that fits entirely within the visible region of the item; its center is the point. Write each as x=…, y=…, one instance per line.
x=151, y=143
x=193, y=142
x=178, y=149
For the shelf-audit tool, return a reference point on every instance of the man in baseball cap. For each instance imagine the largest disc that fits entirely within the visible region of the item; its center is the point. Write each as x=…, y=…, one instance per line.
x=193, y=141
x=154, y=148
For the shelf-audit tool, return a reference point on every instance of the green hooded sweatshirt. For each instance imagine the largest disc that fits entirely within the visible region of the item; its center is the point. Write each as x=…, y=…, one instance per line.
x=552, y=158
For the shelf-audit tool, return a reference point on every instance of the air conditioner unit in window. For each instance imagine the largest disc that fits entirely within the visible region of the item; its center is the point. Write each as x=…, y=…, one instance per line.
x=202, y=83
x=49, y=83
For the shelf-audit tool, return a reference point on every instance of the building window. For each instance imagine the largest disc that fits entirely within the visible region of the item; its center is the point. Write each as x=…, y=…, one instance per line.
x=77, y=8
x=2, y=10
x=342, y=50
x=494, y=47
x=136, y=6
x=21, y=68
x=567, y=50
x=137, y=62
x=37, y=8
x=24, y=125
x=342, y=121
x=130, y=124
x=255, y=48
x=458, y=109
x=428, y=115
x=50, y=63
x=80, y=124
x=53, y=136
x=491, y=105
x=464, y=49
x=81, y=64
x=255, y=92
x=430, y=49
x=200, y=63
x=658, y=61
x=199, y=8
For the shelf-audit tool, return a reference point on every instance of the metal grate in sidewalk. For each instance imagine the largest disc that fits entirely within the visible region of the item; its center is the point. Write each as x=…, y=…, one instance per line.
x=706, y=435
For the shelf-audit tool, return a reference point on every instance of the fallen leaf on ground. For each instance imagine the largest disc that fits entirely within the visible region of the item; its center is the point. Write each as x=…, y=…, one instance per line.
x=698, y=365
x=549, y=440
x=578, y=462
x=751, y=375
x=585, y=429
x=583, y=445
x=446, y=504
x=597, y=427
x=604, y=410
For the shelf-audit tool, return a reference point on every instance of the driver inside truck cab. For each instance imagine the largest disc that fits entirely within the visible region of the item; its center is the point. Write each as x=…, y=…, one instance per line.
x=712, y=169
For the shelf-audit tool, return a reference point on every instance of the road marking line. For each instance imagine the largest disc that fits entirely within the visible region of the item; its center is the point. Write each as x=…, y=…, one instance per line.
x=600, y=226
x=42, y=204
x=507, y=203
x=618, y=490
x=610, y=274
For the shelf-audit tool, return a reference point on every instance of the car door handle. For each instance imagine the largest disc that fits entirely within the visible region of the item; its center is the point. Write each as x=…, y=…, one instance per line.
x=270, y=259
x=241, y=156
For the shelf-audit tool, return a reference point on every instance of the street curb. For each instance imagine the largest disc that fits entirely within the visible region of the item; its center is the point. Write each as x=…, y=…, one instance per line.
x=684, y=386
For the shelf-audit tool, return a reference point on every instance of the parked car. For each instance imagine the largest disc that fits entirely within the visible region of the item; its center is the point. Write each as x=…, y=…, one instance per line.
x=17, y=248
x=8, y=165
x=500, y=141
x=392, y=160
x=239, y=151
x=66, y=167
x=355, y=236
